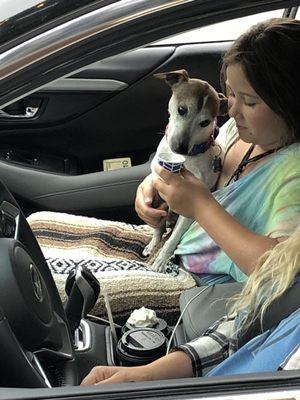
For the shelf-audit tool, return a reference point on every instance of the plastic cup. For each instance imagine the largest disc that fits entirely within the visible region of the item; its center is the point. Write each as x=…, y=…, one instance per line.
x=171, y=162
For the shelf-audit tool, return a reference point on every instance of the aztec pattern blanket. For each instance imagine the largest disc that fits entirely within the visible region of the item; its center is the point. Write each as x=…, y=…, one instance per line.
x=113, y=252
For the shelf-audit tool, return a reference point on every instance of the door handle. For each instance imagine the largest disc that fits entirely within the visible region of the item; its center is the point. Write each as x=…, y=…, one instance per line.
x=30, y=112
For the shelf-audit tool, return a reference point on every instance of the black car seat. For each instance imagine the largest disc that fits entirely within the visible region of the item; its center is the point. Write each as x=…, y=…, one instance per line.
x=204, y=310
x=213, y=303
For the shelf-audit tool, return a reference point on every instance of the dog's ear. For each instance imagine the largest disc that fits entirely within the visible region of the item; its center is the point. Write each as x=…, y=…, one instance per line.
x=223, y=107
x=174, y=77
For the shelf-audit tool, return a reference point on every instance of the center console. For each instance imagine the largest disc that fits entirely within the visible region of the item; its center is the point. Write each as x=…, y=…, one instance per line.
x=143, y=339
x=95, y=345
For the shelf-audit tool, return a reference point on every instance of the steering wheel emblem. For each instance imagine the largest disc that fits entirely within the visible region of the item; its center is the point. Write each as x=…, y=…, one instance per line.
x=36, y=283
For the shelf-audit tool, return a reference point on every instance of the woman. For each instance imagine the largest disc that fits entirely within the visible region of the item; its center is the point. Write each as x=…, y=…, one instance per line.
x=218, y=351
x=257, y=201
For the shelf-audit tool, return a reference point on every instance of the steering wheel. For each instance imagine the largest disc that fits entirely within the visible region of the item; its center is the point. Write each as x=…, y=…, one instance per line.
x=36, y=346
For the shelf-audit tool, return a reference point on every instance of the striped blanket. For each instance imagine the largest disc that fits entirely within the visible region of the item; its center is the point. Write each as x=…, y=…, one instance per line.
x=113, y=252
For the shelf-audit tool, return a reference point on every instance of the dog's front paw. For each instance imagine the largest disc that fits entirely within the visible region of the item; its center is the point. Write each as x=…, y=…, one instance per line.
x=159, y=265
x=148, y=250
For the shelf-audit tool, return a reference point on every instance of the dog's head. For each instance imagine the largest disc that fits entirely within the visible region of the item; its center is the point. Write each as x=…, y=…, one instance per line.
x=193, y=108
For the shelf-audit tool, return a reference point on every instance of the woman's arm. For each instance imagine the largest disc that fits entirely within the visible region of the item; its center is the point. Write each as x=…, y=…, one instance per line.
x=174, y=365
x=196, y=358
x=189, y=197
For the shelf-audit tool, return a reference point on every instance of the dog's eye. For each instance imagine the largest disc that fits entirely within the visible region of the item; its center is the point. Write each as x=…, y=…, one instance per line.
x=204, y=123
x=182, y=110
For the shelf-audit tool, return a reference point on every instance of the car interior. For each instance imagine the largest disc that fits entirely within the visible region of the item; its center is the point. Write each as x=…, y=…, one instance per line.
x=66, y=165
x=81, y=145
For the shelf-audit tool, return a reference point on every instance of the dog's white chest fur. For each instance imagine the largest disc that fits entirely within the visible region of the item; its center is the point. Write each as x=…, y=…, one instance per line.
x=200, y=165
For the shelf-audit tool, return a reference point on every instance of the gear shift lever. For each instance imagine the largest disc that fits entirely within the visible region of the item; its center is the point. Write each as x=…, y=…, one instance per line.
x=83, y=289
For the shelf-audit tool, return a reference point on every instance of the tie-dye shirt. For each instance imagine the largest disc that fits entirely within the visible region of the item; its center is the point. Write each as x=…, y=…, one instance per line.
x=266, y=201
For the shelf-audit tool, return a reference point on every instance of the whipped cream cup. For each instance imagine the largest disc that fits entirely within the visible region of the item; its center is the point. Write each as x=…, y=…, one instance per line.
x=171, y=161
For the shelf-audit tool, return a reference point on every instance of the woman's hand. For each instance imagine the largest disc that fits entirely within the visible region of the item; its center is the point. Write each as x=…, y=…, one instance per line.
x=146, y=192
x=174, y=365
x=183, y=192
x=104, y=374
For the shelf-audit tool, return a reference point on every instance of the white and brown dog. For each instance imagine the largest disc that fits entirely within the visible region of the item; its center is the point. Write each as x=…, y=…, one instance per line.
x=193, y=108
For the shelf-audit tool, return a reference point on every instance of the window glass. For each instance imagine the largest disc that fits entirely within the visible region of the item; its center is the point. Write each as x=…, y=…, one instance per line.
x=227, y=30
x=8, y=8
x=18, y=17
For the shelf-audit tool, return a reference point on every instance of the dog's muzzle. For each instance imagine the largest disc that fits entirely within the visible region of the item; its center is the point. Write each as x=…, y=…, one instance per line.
x=183, y=147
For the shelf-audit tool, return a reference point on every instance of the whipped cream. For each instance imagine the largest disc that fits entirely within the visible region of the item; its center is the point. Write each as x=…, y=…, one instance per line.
x=143, y=317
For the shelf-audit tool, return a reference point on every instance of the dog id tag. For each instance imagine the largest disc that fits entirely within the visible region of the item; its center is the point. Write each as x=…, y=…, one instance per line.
x=217, y=164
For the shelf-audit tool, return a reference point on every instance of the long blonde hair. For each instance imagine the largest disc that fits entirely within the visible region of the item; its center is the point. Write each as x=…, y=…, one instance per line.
x=272, y=276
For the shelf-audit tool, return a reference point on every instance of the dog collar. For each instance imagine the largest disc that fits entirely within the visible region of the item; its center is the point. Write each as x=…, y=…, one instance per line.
x=203, y=147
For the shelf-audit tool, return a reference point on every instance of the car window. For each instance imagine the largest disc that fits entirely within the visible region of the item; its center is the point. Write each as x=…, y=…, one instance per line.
x=227, y=30
x=18, y=17
x=10, y=8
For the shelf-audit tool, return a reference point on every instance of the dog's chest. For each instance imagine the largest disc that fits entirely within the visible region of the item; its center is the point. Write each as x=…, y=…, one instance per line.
x=202, y=167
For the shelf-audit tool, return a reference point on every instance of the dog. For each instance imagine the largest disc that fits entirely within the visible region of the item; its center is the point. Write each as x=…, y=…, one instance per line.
x=191, y=131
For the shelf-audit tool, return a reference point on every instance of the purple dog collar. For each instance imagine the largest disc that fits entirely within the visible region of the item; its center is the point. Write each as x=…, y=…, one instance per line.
x=203, y=147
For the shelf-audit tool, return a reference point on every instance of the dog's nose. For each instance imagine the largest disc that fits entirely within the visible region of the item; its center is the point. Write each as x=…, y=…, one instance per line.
x=181, y=148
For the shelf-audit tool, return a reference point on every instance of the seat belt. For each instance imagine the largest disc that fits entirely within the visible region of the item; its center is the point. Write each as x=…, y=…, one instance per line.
x=280, y=308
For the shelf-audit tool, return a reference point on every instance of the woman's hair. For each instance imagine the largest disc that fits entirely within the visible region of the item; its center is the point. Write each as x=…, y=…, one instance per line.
x=272, y=276
x=269, y=54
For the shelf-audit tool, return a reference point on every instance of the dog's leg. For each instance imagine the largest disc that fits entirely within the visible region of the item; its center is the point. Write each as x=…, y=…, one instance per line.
x=156, y=238
x=169, y=247
x=158, y=232
x=157, y=200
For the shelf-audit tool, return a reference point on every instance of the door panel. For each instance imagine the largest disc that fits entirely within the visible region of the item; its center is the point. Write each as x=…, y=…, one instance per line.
x=80, y=126
x=105, y=194
x=68, y=98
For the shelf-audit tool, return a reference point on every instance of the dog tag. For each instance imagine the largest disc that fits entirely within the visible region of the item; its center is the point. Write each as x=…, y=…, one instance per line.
x=217, y=164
